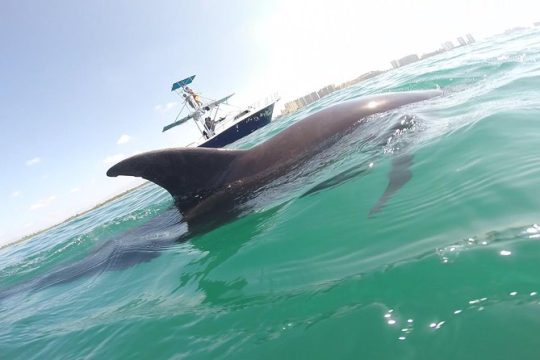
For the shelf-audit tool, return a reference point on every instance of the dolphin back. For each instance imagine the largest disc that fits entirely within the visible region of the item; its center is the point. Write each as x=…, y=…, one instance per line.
x=223, y=177
x=190, y=175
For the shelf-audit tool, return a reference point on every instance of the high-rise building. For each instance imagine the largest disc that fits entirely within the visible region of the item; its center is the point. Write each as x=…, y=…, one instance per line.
x=313, y=97
x=432, y=53
x=325, y=91
x=292, y=106
x=408, y=59
x=322, y=92
x=447, y=45
x=461, y=41
x=470, y=38
x=395, y=64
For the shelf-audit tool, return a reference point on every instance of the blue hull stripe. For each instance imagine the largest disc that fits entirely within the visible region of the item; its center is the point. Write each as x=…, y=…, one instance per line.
x=241, y=129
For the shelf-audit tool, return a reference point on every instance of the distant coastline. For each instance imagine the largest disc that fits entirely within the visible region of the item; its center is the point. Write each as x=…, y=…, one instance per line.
x=29, y=236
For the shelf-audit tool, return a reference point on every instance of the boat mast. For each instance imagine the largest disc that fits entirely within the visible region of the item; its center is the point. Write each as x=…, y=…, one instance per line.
x=189, y=101
x=192, y=100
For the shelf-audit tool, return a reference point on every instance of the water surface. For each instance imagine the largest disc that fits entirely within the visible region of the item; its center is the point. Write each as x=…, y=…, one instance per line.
x=448, y=269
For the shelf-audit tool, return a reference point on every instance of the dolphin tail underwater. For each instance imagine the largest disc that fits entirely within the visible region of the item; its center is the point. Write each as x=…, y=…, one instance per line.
x=204, y=181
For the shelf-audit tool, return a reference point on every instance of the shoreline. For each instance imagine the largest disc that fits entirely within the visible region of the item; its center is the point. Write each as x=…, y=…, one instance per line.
x=29, y=236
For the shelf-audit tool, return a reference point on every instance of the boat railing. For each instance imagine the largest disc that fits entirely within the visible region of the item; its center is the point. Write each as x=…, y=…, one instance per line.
x=265, y=101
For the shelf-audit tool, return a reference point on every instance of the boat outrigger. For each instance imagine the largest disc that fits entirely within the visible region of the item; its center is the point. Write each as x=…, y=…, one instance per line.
x=217, y=130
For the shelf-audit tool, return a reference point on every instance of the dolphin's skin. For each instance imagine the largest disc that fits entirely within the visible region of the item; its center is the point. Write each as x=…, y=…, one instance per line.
x=207, y=182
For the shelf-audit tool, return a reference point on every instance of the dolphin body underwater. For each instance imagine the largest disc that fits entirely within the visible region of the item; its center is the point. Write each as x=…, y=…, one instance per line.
x=208, y=184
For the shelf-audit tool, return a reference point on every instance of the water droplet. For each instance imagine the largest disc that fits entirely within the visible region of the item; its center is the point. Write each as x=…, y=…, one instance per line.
x=513, y=293
x=505, y=253
x=458, y=311
x=391, y=322
x=533, y=293
x=402, y=338
x=438, y=326
x=410, y=321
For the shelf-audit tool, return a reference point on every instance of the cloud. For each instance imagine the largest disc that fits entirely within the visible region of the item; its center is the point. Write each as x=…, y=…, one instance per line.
x=113, y=159
x=16, y=194
x=36, y=206
x=33, y=161
x=74, y=190
x=166, y=107
x=124, y=139
x=43, y=203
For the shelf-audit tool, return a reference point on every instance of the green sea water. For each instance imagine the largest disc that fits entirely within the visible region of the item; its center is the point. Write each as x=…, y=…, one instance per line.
x=448, y=269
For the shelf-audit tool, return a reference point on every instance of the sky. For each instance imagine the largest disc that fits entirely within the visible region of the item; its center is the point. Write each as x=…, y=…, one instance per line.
x=84, y=84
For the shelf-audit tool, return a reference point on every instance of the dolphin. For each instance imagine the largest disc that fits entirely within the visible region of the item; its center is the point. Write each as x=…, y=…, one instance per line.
x=207, y=183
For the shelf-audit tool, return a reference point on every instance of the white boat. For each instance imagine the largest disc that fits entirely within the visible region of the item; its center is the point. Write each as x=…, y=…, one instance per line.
x=219, y=128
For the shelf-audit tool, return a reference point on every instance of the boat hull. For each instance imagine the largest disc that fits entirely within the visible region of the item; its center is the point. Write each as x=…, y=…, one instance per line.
x=242, y=128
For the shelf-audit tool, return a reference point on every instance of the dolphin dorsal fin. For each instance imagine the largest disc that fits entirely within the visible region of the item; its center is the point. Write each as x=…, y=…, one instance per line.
x=189, y=174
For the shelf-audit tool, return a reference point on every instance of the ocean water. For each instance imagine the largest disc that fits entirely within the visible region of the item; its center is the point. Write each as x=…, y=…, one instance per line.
x=448, y=269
